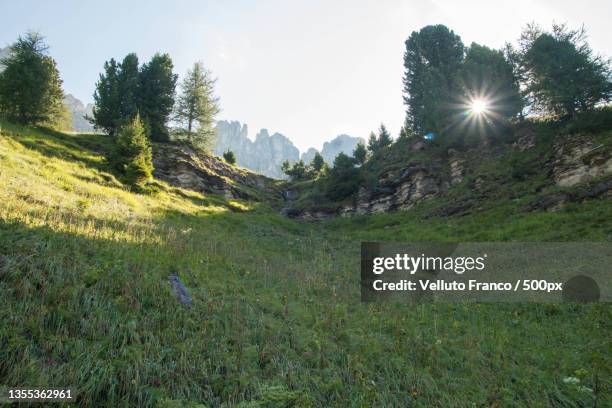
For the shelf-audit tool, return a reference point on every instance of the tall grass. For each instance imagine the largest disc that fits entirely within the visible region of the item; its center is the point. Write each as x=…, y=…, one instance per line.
x=276, y=319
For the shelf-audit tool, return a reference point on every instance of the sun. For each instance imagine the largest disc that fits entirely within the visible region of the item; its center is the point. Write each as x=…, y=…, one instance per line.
x=479, y=106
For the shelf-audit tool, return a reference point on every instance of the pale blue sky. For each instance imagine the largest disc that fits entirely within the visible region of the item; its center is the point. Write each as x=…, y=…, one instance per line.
x=308, y=69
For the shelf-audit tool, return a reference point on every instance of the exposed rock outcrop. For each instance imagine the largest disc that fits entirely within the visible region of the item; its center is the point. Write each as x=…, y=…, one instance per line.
x=182, y=166
x=578, y=159
x=582, y=167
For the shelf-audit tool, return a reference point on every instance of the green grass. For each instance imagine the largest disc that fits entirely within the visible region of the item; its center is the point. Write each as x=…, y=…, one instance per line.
x=276, y=319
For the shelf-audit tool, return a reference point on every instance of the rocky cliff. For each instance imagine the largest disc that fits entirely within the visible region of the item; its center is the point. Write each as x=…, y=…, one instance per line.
x=264, y=155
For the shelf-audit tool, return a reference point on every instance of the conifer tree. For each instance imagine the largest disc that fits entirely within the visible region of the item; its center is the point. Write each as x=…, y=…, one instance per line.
x=30, y=85
x=360, y=154
x=384, y=137
x=133, y=155
x=197, y=106
x=317, y=164
x=107, y=100
x=129, y=87
x=372, y=143
x=156, y=95
x=343, y=178
x=432, y=64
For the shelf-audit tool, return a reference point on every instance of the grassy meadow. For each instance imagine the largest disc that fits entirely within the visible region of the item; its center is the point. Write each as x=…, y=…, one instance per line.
x=276, y=319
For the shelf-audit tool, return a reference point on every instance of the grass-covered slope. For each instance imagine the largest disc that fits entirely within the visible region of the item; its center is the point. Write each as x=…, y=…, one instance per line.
x=276, y=319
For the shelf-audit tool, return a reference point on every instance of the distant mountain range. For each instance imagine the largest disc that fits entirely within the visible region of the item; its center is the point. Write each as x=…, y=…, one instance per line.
x=267, y=152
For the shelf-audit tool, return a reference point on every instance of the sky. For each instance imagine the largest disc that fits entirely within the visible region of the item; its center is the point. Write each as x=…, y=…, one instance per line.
x=309, y=69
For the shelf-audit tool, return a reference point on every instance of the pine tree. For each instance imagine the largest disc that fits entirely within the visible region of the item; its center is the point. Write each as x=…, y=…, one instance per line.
x=432, y=64
x=486, y=73
x=317, y=164
x=133, y=155
x=156, y=95
x=372, y=143
x=30, y=85
x=343, y=178
x=360, y=154
x=107, y=100
x=197, y=106
x=129, y=87
x=384, y=138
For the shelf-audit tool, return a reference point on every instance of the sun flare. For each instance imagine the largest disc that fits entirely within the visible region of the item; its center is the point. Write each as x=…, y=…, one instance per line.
x=478, y=106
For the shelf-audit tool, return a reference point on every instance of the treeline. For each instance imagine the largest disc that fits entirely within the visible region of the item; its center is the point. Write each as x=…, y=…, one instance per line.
x=134, y=103
x=126, y=88
x=458, y=96
x=549, y=73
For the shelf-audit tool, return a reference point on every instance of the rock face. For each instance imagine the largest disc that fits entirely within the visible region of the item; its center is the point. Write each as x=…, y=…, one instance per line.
x=309, y=154
x=182, y=166
x=400, y=190
x=79, y=111
x=580, y=165
x=264, y=155
x=340, y=144
x=578, y=159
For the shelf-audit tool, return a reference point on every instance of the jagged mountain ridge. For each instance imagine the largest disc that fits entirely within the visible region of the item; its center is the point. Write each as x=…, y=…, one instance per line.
x=78, y=111
x=267, y=152
x=340, y=144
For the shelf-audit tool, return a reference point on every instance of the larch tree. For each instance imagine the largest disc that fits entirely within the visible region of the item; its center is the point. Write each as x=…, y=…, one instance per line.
x=197, y=106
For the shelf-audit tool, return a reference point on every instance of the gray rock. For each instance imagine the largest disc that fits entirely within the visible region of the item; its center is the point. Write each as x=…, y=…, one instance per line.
x=79, y=111
x=578, y=159
x=180, y=290
x=340, y=144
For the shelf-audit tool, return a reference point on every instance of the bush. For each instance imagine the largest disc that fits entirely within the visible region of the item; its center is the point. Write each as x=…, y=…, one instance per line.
x=229, y=157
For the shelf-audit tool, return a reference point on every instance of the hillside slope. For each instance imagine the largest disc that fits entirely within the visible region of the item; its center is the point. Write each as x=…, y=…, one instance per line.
x=276, y=319
x=532, y=166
